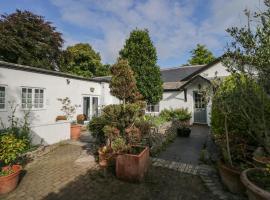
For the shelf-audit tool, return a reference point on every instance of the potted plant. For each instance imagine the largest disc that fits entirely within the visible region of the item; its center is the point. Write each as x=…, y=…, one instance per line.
x=231, y=130
x=183, y=131
x=69, y=111
x=61, y=118
x=257, y=183
x=10, y=149
x=116, y=126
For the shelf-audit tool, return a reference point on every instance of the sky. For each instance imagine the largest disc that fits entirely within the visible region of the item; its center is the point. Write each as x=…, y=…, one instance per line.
x=175, y=26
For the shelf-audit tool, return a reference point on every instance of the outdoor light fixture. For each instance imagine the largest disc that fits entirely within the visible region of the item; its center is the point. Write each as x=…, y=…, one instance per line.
x=68, y=81
x=92, y=89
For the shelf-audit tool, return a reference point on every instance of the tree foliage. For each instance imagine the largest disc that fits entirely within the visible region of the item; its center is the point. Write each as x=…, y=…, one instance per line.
x=82, y=60
x=250, y=46
x=238, y=111
x=201, y=55
x=123, y=83
x=142, y=57
x=26, y=38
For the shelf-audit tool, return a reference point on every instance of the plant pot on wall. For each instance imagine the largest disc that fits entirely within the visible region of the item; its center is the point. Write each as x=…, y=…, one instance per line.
x=10, y=181
x=75, y=131
x=254, y=192
x=132, y=167
x=231, y=178
x=183, y=132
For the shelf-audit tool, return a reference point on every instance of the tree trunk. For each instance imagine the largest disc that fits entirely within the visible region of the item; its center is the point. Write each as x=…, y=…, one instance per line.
x=227, y=141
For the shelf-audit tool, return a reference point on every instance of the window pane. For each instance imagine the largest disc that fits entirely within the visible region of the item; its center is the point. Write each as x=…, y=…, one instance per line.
x=2, y=100
x=23, y=105
x=29, y=90
x=36, y=90
x=41, y=105
x=2, y=89
x=36, y=105
x=2, y=106
x=24, y=90
x=41, y=91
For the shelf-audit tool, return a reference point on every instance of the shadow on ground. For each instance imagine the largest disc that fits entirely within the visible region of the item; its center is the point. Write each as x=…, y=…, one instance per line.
x=159, y=184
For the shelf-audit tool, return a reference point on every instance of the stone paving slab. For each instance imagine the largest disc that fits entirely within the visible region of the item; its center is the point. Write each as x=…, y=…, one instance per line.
x=207, y=173
x=187, y=149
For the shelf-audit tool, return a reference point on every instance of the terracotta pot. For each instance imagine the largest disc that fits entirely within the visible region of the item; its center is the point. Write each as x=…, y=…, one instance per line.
x=9, y=182
x=75, y=131
x=261, y=161
x=61, y=118
x=231, y=178
x=254, y=192
x=131, y=167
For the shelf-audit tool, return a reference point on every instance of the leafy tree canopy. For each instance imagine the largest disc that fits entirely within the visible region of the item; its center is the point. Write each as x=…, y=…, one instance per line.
x=250, y=46
x=26, y=38
x=123, y=83
x=201, y=55
x=81, y=59
x=142, y=57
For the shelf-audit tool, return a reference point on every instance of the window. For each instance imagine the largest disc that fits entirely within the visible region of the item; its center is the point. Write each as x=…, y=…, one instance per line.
x=32, y=98
x=152, y=108
x=2, y=97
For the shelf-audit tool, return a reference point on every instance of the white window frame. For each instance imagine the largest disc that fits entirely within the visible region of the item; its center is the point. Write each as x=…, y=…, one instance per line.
x=33, y=98
x=149, y=105
x=5, y=99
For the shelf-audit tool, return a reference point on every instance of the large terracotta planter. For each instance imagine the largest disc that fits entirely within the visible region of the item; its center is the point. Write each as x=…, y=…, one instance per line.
x=254, y=192
x=75, y=131
x=132, y=167
x=9, y=182
x=231, y=178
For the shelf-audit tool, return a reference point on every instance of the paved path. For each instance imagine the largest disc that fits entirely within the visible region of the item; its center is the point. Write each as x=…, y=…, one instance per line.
x=187, y=149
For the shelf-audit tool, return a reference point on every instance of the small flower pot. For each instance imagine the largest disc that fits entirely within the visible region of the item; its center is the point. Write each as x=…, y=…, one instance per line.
x=183, y=132
x=133, y=167
x=253, y=191
x=75, y=131
x=10, y=182
x=261, y=161
x=231, y=178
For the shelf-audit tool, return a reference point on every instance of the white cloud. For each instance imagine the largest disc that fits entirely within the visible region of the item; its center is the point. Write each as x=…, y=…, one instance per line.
x=170, y=23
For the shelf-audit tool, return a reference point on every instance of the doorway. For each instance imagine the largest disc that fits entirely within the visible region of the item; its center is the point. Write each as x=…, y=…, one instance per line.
x=90, y=107
x=199, y=108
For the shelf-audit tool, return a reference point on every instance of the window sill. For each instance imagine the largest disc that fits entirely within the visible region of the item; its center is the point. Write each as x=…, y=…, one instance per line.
x=3, y=110
x=36, y=109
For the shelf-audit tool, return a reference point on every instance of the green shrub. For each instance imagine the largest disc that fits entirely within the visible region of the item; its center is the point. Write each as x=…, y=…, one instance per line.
x=96, y=126
x=181, y=114
x=119, y=145
x=243, y=103
x=10, y=148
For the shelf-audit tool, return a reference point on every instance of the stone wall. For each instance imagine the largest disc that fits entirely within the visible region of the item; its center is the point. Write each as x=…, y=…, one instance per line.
x=160, y=137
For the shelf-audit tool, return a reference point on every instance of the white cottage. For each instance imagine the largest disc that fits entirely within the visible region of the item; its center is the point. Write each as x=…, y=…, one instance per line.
x=38, y=90
x=181, y=89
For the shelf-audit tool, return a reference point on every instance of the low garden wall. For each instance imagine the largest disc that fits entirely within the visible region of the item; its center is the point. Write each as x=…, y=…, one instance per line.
x=160, y=137
x=48, y=134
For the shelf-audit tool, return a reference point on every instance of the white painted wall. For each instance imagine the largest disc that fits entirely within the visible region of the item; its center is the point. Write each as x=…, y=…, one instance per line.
x=217, y=69
x=54, y=87
x=175, y=99
x=48, y=134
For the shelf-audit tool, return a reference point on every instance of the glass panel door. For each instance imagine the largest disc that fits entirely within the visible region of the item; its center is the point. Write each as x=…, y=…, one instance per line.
x=94, y=106
x=86, y=107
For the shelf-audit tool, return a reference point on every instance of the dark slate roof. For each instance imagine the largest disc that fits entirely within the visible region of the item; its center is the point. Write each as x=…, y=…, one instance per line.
x=179, y=73
x=45, y=71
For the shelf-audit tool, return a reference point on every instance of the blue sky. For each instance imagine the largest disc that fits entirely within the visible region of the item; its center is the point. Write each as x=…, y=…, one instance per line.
x=175, y=26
